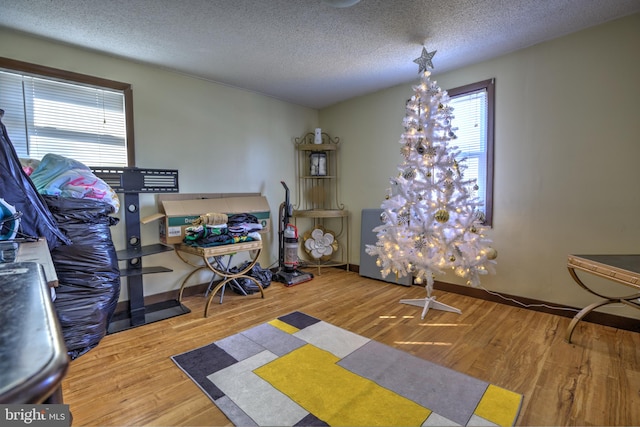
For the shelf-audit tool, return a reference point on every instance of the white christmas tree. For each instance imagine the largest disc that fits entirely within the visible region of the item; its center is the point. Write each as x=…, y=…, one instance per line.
x=432, y=222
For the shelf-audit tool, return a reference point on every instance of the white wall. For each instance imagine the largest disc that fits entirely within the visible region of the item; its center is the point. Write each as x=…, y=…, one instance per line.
x=566, y=156
x=221, y=139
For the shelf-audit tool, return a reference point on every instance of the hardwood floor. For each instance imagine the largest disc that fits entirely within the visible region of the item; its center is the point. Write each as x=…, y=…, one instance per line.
x=129, y=378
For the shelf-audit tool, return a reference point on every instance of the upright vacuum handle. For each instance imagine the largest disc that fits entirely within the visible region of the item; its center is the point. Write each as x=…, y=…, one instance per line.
x=287, y=205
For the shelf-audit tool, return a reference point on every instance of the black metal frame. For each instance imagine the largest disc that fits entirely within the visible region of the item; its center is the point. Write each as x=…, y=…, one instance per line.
x=131, y=182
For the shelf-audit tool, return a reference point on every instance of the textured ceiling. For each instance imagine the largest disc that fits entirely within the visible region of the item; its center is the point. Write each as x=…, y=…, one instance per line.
x=305, y=51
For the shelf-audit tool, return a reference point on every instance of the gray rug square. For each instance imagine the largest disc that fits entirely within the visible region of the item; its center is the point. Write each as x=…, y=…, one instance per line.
x=273, y=339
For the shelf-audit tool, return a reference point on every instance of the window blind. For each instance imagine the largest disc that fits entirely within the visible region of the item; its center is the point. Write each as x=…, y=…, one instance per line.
x=470, y=119
x=43, y=116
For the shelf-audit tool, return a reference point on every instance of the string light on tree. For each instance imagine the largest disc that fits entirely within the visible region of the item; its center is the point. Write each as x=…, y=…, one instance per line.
x=432, y=222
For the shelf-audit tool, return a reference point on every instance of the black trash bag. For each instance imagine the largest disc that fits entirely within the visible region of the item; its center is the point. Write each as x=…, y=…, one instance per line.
x=17, y=189
x=88, y=272
x=248, y=287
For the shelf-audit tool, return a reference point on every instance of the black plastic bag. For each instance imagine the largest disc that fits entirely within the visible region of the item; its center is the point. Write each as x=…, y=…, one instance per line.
x=17, y=189
x=248, y=287
x=88, y=272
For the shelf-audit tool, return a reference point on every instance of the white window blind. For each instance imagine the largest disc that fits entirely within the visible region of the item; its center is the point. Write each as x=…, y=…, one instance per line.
x=470, y=119
x=43, y=116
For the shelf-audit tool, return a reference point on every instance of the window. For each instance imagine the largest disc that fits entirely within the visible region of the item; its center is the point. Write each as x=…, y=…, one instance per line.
x=473, y=112
x=77, y=116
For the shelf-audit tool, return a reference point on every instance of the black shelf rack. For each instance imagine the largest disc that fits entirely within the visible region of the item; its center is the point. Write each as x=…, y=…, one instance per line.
x=132, y=181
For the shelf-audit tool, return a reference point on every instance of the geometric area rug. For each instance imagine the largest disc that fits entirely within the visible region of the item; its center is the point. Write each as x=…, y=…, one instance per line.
x=297, y=370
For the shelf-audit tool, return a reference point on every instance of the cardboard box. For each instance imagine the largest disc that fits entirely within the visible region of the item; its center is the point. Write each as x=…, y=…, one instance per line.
x=178, y=211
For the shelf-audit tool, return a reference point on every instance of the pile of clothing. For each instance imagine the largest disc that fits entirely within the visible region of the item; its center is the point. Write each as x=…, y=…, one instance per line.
x=215, y=229
x=61, y=176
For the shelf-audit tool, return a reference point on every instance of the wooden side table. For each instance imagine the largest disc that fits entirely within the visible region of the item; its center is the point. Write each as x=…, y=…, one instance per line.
x=211, y=259
x=623, y=269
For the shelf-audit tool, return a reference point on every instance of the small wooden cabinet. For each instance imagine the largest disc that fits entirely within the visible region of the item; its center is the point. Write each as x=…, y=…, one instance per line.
x=321, y=219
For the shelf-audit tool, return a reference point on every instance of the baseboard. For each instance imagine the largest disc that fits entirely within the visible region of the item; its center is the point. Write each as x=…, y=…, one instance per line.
x=605, y=319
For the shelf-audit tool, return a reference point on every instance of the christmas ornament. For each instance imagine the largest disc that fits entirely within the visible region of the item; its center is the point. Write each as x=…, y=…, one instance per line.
x=403, y=218
x=442, y=216
x=409, y=174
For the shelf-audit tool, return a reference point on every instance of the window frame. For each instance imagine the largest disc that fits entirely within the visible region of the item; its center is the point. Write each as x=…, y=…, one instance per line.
x=72, y=77
x=489, y=87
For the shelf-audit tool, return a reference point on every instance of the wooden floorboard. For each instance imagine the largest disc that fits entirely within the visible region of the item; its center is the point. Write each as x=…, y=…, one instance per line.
x=129, y=378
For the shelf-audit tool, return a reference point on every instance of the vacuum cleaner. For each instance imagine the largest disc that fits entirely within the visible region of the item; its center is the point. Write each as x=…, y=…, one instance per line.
x=288, y=272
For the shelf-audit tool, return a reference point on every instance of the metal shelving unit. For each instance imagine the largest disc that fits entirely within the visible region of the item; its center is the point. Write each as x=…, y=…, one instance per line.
x=318, y=203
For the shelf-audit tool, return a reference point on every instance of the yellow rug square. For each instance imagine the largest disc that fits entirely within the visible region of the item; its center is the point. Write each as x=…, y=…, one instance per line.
x=499, y=406
x=276, y=323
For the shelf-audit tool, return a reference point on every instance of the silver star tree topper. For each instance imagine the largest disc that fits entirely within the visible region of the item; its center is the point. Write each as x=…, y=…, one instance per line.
x=425, y=60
